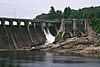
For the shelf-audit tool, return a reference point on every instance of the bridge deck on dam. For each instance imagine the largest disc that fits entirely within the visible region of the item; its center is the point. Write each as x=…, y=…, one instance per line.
x=24, y=33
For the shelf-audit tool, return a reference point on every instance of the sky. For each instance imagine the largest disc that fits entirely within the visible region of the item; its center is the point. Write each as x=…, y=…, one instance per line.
x=31, y=8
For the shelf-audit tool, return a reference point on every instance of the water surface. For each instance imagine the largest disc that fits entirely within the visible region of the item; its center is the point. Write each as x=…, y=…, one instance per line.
x=44, y=59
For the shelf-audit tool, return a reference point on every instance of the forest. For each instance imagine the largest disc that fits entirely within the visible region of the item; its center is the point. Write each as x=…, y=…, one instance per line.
x=90, y=13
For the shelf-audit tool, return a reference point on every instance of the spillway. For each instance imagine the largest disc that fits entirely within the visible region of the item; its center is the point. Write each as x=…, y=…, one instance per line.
x=50, y=38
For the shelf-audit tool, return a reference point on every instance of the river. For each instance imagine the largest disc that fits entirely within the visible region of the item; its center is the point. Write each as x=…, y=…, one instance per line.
x=44, y=59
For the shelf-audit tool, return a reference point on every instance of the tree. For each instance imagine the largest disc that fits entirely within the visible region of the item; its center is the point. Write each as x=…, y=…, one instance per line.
x=52, y=13
x=91, y=13
x=58, y=14
x=67, y=12
x=42, y=16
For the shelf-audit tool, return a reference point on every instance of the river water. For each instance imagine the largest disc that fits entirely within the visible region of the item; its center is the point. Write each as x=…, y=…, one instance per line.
x=44, y=59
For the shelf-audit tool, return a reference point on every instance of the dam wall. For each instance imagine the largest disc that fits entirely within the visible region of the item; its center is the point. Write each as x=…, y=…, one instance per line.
x=24, y=33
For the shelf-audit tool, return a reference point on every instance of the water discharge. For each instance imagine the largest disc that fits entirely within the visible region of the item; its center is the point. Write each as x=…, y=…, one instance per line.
x=49, y=37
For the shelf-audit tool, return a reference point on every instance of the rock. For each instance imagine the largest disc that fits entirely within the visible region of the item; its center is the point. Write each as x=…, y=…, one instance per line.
x=35, y=48
x=55, y=45
x=45, y=46
x=97, y=48
x=67, y=46
x=81, y=47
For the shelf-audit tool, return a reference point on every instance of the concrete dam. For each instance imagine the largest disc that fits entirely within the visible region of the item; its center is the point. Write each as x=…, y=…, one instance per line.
x=24, y=33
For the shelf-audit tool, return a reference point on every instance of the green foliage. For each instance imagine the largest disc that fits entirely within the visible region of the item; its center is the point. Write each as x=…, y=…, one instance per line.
x=95, y=24
x=52, y=13
x=58, y=37
x=43, y=16
x=58, y=14
x=67, y=12
x=91, y=13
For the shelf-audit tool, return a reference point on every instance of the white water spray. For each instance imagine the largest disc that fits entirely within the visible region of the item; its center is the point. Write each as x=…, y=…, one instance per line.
x=49, y=37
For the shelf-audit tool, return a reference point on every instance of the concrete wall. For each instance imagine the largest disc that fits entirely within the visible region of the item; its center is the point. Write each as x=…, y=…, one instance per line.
x=25, y=33
x=20, y=34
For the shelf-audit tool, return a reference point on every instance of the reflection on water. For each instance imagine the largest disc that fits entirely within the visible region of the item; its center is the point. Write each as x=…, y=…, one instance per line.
x=44, y=59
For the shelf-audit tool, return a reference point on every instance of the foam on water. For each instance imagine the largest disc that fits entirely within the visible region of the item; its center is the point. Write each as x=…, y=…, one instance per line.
x=49, y=37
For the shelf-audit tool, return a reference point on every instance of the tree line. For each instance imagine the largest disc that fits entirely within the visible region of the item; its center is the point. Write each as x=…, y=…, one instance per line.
x=91, y=13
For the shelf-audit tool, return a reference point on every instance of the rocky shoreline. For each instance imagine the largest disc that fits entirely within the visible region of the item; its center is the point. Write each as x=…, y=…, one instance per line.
x=85, y=46
x=76, y=45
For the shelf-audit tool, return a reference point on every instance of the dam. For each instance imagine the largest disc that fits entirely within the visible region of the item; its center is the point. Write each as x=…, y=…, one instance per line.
x=18, y=33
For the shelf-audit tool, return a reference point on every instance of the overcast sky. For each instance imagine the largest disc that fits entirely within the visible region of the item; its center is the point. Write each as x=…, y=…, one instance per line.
x=31, y=8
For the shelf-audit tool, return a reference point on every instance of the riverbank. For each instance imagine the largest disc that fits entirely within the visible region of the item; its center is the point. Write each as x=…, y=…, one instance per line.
x=82, y=45
x=85, y=46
